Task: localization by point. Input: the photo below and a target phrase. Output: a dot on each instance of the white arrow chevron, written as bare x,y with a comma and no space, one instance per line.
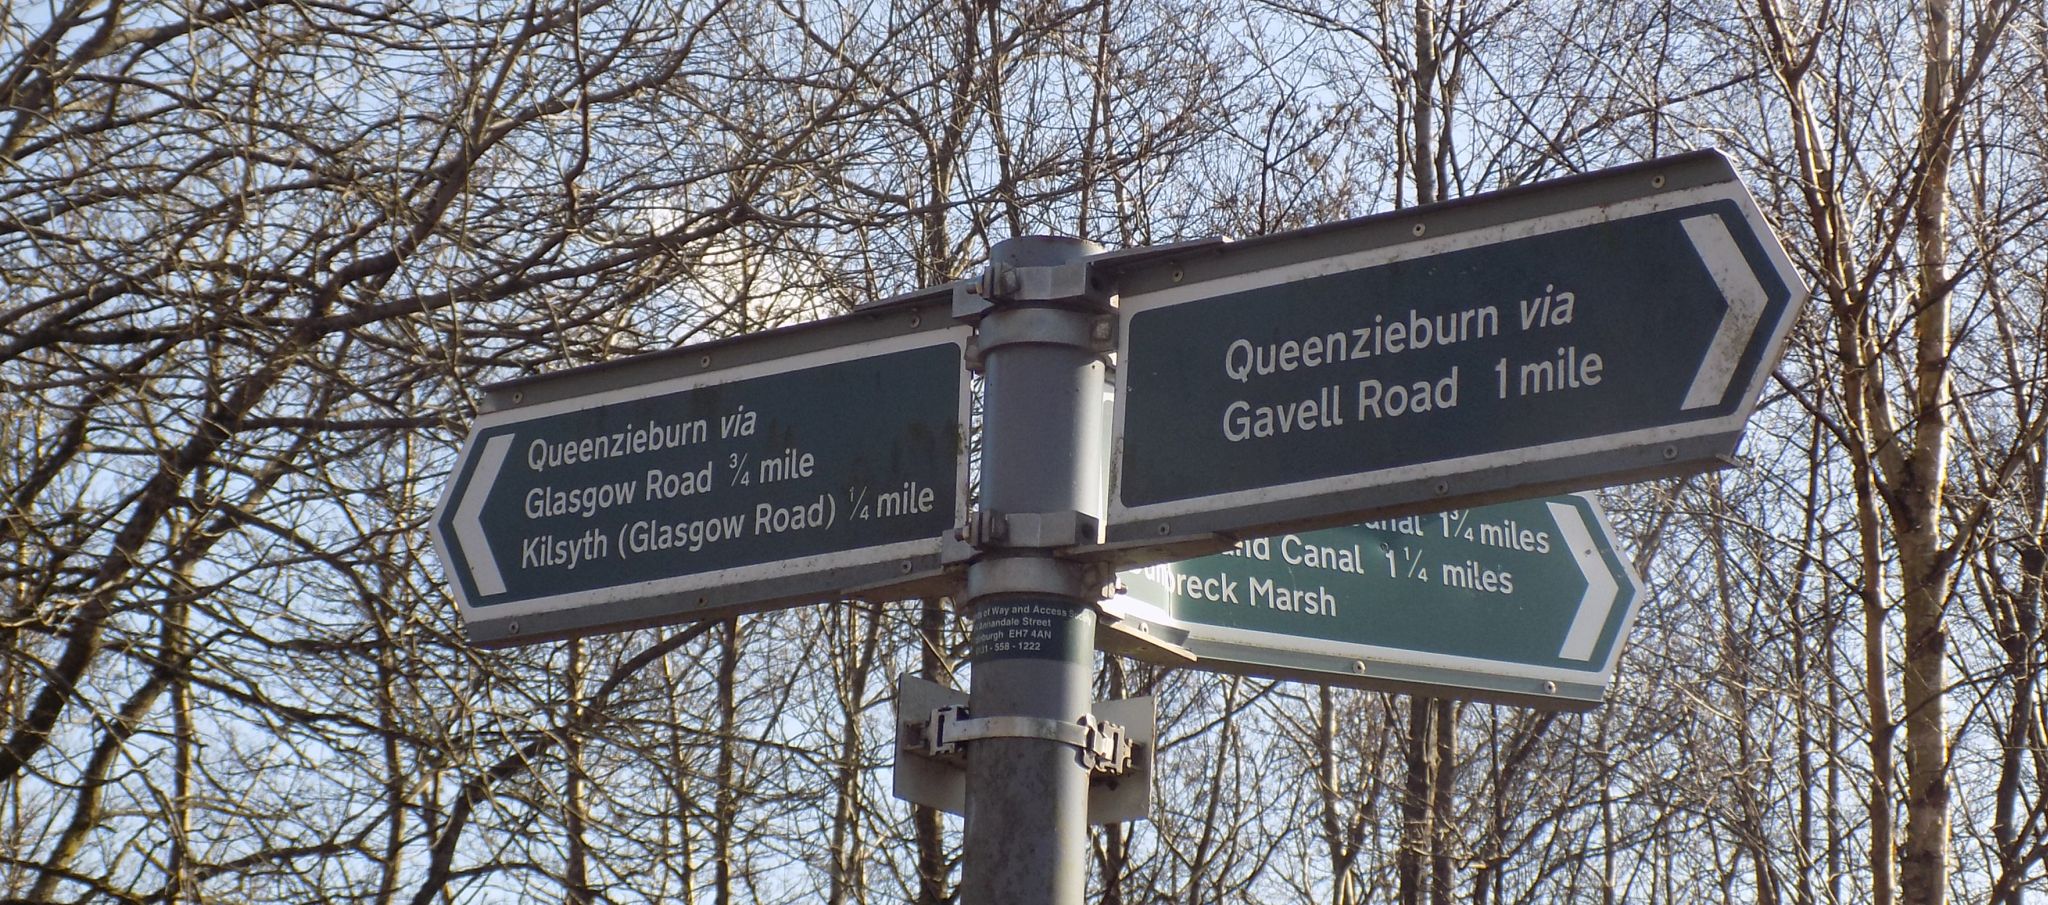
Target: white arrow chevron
1601,589
1746,300
469,525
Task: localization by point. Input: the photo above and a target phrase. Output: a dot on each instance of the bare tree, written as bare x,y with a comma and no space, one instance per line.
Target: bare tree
256,257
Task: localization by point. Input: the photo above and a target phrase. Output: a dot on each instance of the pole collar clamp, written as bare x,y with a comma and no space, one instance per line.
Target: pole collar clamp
1105,748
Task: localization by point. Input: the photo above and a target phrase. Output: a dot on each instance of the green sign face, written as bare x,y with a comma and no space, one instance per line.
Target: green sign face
815,474
1523,600
1551,339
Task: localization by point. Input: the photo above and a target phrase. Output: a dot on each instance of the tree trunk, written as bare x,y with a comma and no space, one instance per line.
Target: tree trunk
1924,566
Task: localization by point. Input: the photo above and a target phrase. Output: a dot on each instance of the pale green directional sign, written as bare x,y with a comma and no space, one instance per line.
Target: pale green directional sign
788,467
1526,601
1564,335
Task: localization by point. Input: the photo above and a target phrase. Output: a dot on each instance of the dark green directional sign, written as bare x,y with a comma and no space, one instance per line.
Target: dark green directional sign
1525,601
1555,337
785,468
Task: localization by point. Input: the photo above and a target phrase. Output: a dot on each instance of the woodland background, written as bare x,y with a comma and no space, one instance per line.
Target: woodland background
258,256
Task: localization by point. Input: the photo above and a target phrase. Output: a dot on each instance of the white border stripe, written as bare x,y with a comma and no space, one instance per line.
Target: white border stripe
1746,301
469,525
720,377
1198,632
1601,589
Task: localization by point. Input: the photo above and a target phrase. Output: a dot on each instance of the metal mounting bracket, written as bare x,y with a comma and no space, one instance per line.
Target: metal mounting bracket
1105,747
985,529
935,736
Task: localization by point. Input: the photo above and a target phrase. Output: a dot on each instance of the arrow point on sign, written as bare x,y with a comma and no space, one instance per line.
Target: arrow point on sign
1601,589
469,524
1746,301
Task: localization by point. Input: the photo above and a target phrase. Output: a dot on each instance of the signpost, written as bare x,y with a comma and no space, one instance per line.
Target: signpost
1593,330
788,467
1589,331
1525,602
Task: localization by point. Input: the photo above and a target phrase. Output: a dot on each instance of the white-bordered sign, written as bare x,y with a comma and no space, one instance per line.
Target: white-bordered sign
1606,328
789,467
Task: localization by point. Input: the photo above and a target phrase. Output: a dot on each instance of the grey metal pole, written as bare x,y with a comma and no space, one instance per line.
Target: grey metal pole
1025,841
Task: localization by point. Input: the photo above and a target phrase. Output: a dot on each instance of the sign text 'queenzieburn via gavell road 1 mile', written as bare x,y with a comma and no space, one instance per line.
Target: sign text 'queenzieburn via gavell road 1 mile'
787,467
1527,602
1587,331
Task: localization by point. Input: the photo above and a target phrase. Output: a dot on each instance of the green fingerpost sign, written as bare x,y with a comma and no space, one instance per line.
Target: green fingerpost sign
1526,601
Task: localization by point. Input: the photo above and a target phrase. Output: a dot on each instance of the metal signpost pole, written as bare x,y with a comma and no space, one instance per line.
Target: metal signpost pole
1033,614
